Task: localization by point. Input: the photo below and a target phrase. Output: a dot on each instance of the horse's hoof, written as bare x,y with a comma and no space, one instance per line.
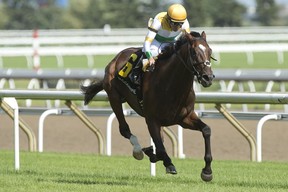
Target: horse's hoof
171,170
138,153
206,177
137,150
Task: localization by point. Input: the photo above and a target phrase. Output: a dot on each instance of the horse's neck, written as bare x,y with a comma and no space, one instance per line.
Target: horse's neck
175,75
178,63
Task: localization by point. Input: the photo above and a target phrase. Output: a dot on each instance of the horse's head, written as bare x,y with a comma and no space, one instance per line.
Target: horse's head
199,58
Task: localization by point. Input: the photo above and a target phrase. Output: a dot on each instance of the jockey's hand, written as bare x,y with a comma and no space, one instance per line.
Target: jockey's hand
151,64
151,61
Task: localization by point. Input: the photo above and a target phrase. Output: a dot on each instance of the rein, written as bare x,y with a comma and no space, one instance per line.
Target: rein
189,60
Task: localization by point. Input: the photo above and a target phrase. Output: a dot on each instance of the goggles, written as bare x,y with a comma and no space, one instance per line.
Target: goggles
176,23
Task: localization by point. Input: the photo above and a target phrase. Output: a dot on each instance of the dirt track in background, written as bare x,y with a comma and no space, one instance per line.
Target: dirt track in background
69,134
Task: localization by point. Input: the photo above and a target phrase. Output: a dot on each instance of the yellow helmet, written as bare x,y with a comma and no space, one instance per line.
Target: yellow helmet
177,13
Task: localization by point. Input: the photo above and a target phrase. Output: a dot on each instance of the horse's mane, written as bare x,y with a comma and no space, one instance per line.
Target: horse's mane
170,49
195,34
183,39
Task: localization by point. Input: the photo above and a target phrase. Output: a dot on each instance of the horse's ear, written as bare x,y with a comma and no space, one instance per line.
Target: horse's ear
203,35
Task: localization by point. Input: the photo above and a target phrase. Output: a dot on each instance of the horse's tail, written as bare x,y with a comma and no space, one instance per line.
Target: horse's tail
91,90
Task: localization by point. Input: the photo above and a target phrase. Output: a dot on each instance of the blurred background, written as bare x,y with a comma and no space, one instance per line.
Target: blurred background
73,14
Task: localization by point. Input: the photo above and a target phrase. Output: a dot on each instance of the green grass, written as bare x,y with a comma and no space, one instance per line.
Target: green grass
50,62
267,60
87,172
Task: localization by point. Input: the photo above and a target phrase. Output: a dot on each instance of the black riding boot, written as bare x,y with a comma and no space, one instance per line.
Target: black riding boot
135,75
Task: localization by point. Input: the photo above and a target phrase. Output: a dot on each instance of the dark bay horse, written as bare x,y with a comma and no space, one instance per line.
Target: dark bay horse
168,95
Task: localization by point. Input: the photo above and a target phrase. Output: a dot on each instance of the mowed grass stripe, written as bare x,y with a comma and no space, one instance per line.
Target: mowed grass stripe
88,172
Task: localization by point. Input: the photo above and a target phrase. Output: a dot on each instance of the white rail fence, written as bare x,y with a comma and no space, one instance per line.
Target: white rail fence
10,97
61,43
142,31
229,80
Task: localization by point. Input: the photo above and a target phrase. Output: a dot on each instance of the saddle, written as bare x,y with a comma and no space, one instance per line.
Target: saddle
124,72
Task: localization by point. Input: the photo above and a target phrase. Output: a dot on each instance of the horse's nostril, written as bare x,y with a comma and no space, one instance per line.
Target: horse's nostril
205,77
208,77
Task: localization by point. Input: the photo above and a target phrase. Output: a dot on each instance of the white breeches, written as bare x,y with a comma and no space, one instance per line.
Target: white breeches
157,47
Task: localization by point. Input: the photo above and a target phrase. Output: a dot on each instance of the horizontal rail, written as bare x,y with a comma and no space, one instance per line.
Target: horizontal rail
77,74
240,115
251,74
82,74
142,31
108,111
203,97
49,94
242,98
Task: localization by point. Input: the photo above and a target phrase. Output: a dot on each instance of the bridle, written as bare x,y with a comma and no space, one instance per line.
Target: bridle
192,60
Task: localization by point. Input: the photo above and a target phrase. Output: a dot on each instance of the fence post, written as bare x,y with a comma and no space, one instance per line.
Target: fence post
36,57
173,139
241,129
27,130
14,105
41,126
153,165
259,133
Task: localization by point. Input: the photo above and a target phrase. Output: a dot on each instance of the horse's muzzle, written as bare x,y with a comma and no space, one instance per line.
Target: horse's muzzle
206,80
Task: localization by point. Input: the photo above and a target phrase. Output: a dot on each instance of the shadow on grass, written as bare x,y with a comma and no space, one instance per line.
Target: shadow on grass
94,182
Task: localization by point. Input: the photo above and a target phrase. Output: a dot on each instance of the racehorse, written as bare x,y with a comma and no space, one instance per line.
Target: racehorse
168,95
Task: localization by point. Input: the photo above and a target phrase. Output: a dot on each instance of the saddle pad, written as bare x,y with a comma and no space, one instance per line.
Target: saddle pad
123,74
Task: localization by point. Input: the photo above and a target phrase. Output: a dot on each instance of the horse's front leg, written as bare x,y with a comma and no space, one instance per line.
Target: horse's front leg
206,174
124,129
194,123
161,154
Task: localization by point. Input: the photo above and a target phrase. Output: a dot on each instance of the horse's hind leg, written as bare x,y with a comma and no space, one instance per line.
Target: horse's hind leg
124,129
161,154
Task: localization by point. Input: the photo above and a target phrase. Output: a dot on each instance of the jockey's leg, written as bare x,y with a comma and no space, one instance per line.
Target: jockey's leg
136,72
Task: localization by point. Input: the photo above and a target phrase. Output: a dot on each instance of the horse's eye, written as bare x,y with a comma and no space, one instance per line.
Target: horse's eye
207,63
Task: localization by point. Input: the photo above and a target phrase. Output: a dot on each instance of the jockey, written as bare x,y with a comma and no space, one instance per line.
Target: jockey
162,30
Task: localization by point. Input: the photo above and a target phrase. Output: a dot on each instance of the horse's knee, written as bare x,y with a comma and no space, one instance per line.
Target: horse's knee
206,131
